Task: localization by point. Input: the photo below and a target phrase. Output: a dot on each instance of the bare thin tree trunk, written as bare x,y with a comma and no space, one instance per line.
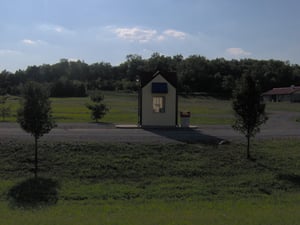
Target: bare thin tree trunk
36,158
248,147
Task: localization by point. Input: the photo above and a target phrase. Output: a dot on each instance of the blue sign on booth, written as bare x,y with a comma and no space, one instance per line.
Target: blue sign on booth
159,88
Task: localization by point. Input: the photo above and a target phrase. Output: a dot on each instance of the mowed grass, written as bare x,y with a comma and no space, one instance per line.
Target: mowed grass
283,106
158,184
124,109
244,212
206,110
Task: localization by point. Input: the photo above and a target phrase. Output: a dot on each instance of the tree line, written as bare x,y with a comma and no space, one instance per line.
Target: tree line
195,74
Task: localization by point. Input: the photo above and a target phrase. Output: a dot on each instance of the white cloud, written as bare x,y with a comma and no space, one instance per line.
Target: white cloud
29,42
146,35
175,34
54,28
73,60
9,52
136,34
59,29
161,38
237,52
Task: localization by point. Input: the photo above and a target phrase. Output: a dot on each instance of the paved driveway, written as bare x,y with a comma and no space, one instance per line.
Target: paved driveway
279,125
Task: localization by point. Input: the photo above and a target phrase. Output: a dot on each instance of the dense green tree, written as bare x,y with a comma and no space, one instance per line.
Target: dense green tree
98,109
5,82
4,108
248,108
35,116
161,63
134,67
195,74
67,88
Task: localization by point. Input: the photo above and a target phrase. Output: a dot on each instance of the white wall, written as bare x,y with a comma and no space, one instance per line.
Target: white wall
295,96
150,118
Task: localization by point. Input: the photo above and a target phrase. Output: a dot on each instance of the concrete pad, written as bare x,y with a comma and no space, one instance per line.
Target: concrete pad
127,126
135,126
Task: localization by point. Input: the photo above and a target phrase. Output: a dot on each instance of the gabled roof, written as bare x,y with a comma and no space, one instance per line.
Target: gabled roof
282,91
171,77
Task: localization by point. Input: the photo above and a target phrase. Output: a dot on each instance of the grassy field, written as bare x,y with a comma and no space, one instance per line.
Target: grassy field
124,109
158,184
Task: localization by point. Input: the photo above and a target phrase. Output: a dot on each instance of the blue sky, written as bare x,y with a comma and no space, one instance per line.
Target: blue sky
34,32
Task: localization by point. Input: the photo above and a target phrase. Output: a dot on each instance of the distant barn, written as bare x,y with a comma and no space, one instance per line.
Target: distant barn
283,94
158,102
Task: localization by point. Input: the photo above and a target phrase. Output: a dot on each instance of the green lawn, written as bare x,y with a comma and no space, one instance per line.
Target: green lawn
283,106
158,184
242,212
124,109
207,111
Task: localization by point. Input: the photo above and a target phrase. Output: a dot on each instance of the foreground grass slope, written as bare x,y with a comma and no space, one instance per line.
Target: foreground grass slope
158,184
244,212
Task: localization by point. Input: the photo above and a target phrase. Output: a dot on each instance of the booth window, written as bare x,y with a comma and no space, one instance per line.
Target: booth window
159,104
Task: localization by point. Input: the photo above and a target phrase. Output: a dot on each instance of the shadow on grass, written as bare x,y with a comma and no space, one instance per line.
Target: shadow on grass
293,178
34,193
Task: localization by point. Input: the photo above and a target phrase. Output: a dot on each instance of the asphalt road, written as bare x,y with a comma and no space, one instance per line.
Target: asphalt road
279,125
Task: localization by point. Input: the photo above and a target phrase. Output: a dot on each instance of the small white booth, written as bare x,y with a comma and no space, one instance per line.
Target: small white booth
158,102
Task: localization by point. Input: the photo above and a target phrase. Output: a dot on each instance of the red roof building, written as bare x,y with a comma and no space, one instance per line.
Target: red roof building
291,94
